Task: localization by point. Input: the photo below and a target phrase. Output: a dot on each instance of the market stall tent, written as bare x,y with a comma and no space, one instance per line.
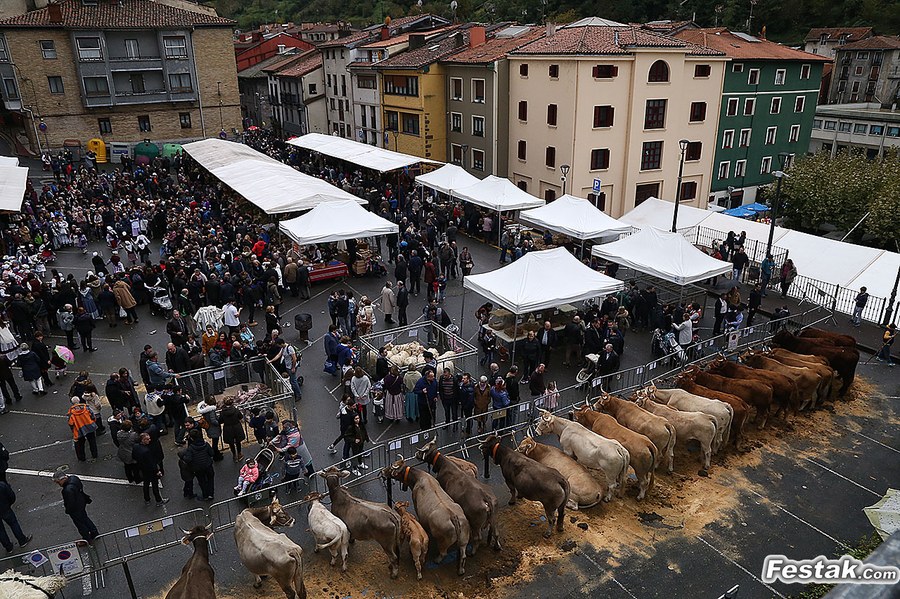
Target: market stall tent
498,194
336,221
575,217
9,161
657,213
358,153
12,187
828,260
665,255
447,179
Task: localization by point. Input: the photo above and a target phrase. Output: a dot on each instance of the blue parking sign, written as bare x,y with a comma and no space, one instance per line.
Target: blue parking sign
596,186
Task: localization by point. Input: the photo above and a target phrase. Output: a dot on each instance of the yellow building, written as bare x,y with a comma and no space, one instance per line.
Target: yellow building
413,95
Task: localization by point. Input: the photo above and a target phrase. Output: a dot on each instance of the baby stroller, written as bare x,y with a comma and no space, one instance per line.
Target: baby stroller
665,344
375,268
261,492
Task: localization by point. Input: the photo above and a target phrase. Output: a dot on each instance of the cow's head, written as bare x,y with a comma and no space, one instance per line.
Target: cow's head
333,475
426,452
277,516
196,533
314,496
716,363
583,414
544,423
395,470
526,445
487,446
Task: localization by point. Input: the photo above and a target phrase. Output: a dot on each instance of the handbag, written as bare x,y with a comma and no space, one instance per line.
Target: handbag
330,367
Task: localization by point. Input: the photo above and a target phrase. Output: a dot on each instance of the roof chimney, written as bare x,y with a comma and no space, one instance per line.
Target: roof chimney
476,36
385,32
281,48
551,29
54,12
416,40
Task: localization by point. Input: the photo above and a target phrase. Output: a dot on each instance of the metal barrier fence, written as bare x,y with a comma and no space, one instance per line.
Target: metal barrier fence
755,249
837,298
429,335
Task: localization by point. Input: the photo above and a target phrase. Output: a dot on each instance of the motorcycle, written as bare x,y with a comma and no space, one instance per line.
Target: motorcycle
160,302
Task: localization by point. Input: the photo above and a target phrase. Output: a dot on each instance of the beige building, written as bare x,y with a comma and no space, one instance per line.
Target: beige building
612,102
122,71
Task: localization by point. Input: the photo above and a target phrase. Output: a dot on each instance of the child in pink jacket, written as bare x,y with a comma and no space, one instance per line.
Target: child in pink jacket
248,475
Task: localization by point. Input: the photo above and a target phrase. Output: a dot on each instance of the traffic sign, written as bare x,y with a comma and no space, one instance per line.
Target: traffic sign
597,185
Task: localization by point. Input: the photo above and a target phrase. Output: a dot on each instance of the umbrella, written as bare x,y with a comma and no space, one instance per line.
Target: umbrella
252,128
757,207
885,514
64,353
740,212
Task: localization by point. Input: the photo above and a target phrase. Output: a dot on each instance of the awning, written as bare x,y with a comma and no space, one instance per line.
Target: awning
12,187
358,153
665,255
447,179
541,280
739,212
335,221
499,194
272,186
830,260
654,212
574,217
9,161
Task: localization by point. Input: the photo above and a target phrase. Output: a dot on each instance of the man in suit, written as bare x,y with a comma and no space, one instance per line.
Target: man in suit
593,338
609,363
547,341
75,502
7,515
402,303
177,329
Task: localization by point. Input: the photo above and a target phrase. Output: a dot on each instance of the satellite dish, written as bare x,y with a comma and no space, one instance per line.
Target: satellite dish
419,3
453,5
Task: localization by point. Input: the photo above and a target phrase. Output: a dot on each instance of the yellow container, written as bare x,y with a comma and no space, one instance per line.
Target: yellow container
98,147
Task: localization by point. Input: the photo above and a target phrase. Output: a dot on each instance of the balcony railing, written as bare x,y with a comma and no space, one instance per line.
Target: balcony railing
133,58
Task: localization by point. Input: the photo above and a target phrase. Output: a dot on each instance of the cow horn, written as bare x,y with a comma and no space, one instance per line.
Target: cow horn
187,532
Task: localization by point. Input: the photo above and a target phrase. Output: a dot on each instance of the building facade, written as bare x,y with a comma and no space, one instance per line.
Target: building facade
257,102
612,102
825,40
867,127
298,93
267,47
767,107
122,72
867,71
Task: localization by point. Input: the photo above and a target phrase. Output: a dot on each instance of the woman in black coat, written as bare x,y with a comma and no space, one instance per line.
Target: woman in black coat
84,324
232,422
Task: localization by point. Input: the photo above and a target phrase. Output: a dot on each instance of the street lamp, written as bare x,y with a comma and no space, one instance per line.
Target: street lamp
730,195
683,144
564,169
779,174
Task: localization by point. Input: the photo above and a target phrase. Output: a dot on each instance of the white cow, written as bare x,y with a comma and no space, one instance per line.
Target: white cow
330,531
688,402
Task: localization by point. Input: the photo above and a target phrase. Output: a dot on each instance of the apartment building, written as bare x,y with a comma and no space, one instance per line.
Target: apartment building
257,103
248,54
867,71
865,126
122,71
612,102
478,97
825,40
298,96
767,108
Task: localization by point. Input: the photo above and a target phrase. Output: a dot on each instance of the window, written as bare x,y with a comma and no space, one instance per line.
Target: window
549,195
96,86
523,69
659,72
4,54
89,48
523,110
478,91
553,71
732,107
860,129
478,126
799,103
779,77
551,115
693,151
789,161
48,49
523,185
728,138
765,166
184,118
550,157
688,190
858,71
740,167
651,155
604,71
830,125
645,191
456,154
313,89
702,70
744,140
456,87
411,124
749,106
180,82
393,120
456,122
876,130
598,200
893,131
775,107
599,159
844,127
795,133
144,123
862,56
132,49
400,85
655,114
737,67
104,126
698,112
753,77
477,160
723,169
770,135
817,123
520,150
804,71
367,82
603,116
175,46
56,85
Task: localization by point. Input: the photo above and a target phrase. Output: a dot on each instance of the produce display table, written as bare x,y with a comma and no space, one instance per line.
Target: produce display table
327,272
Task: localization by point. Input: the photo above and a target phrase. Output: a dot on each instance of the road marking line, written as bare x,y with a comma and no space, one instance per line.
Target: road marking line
378,438
601,569
876,441
93,479
54,444
796,517
839,475
37,414
306,301
116,340
45,506
742,568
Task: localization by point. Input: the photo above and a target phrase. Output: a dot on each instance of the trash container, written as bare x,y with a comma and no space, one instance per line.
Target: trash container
303,323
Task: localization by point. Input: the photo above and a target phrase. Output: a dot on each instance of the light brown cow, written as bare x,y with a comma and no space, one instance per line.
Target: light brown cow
740,407
642,453
826,374
586,489
267,553
689,426
414,534
657,429
329,531
682,400
805,379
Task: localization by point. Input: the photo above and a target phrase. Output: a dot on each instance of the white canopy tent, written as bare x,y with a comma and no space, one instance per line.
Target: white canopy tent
12,187
879,277
498,194
336,221
657,213
447,179
9,161
756,231
575,217
270,185
828,260
662,254
358,153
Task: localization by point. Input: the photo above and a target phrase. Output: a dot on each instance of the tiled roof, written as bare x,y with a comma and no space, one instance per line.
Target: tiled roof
304,67
433,51
259,69
743,46
606,40
403,38
835,33
371,33
286,61
124,14
494,47
879,42
665,26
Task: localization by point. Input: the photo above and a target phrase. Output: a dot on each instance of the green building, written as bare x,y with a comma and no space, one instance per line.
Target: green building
768,104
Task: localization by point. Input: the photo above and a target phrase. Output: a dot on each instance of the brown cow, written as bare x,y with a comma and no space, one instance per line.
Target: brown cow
586,488
689,426
413,532
842,359
805,379
464,465
756,394
818,364
784,390
475,498
655,428
643,455
531,480
198,580
366,520
267,553
838,339
738,405
441,517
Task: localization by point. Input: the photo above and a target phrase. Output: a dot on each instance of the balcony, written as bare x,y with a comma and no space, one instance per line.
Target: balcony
133,63
148,96
877,58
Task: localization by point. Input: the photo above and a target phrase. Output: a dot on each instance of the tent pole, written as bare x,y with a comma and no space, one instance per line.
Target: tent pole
581,255
499,226
515,335
462,313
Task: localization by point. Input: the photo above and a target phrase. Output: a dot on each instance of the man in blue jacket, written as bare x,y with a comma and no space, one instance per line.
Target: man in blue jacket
75,502
426,391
